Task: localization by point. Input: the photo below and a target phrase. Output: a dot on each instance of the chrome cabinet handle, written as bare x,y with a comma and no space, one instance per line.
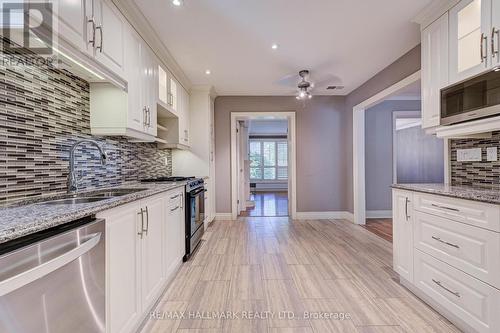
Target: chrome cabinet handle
92,41
147,221
455,293
149,117
493,32
174,197
406,208
182,200
483,39
445,242
145,116
99,27
174,209
140,233
447,208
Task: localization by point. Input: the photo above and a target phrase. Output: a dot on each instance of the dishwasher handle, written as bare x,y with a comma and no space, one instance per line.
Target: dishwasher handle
15,282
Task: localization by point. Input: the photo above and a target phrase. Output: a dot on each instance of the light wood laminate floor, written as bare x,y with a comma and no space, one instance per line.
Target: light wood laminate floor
272,269
268,204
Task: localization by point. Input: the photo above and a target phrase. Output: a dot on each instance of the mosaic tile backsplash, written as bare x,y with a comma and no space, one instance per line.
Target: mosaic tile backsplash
475,173
43,111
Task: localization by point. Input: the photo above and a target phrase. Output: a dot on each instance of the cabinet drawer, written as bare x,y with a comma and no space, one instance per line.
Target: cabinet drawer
475,302
175,198
473,250
475,213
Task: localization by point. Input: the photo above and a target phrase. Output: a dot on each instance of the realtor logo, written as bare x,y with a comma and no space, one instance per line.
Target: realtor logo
28,27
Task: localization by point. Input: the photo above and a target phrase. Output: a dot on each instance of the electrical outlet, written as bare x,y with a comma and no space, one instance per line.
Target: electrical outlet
469,155
492,154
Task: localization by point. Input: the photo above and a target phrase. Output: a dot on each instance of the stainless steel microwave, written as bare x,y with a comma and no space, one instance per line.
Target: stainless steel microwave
475,98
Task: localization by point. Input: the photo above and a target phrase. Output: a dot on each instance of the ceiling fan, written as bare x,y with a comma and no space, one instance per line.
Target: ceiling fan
304,84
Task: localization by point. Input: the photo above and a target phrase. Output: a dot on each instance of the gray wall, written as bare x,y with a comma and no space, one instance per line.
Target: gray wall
320,143
408,64
378,151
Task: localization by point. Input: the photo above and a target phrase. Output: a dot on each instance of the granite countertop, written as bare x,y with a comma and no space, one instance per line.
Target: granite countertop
28,217
485,193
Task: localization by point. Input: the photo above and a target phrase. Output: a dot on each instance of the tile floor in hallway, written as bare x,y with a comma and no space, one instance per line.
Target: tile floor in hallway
268,204
275,265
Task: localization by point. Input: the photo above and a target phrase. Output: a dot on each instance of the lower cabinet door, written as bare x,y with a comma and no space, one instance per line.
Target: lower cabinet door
152,245
123,245
173,242
403,233
472,301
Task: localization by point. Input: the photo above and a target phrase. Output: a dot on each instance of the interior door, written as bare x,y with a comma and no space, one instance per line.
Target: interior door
110,36
152,245
403,234
470,22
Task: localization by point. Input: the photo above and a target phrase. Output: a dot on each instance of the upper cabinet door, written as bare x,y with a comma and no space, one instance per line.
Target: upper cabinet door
136,114
71,22
109,36
470,22
495,33
434,69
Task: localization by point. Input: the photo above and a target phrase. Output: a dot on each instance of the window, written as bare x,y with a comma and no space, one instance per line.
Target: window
268,159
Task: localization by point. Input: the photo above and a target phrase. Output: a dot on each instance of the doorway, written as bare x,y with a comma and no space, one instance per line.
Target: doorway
263,164
395,149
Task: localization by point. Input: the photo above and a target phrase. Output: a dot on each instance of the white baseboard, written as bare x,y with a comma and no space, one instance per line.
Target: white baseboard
378,214
223,216
334,215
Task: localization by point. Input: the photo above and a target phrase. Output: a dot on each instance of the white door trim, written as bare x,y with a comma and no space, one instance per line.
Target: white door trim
292,176
358,150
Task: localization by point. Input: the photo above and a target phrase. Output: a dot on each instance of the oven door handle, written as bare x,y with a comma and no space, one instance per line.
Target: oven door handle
197,192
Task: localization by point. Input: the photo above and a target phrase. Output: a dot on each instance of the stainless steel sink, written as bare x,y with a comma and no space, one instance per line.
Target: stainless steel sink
113,192
72,201
88,197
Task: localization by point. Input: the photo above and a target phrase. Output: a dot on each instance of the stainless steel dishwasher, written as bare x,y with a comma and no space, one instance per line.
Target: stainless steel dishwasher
54,281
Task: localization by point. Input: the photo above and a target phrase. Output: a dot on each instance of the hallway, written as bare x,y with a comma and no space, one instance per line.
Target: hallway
268,204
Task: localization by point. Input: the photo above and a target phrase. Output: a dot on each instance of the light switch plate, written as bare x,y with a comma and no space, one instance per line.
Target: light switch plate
492,154
469,155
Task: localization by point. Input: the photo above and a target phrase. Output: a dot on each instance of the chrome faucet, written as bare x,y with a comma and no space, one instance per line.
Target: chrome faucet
72,177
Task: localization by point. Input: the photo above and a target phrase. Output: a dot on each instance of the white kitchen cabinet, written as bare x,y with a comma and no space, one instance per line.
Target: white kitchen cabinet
142,238
110,28
168,91
434,69
174,232
495,33
71,23
123,268
152,255
130,113
469,34
402,217
175,127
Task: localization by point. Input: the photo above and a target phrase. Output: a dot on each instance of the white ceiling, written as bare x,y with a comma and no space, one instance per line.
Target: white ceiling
278,126
350,39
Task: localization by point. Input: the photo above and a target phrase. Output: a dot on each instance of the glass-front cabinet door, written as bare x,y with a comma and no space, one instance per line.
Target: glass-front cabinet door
470,22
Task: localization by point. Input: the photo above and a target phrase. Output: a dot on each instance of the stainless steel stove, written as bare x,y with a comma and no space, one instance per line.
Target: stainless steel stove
195,210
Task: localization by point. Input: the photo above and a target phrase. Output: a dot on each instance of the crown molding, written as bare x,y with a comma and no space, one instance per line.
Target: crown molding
138,21
433,11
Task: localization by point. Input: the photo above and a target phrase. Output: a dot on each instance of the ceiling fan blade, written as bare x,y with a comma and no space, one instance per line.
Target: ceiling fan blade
290,80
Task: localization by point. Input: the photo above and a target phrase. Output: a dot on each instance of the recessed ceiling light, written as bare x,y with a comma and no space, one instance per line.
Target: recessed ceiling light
274,46
208,72
177,3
